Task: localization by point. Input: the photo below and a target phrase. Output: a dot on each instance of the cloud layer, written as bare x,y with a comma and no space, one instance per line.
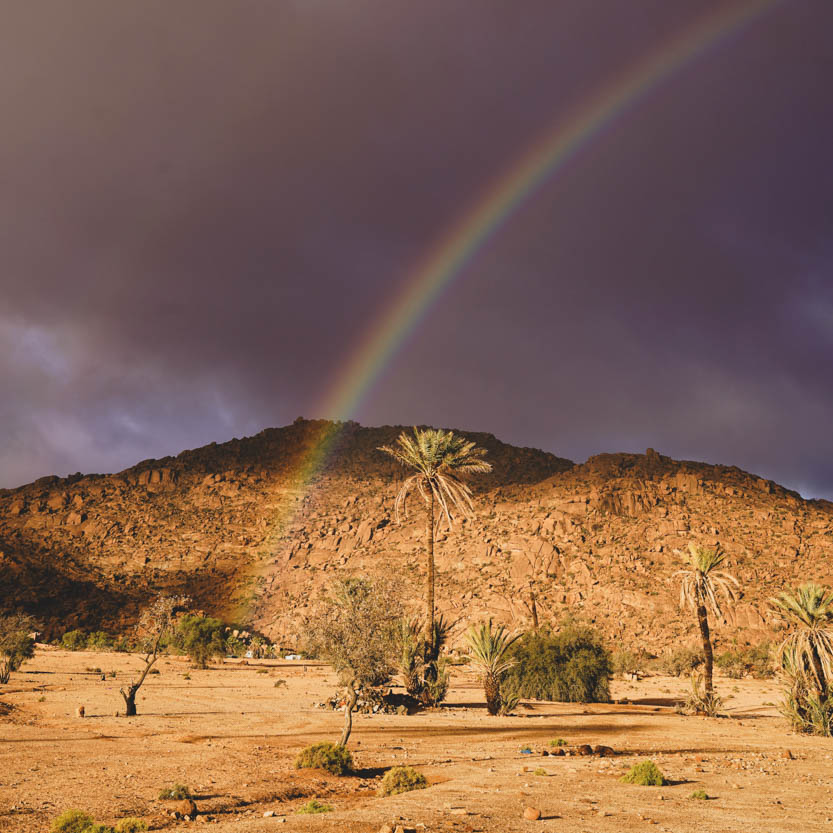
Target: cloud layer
204,207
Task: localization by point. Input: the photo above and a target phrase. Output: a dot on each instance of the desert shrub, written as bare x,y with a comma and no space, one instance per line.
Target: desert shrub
539,771
131,825
644,774
699,701
807,711
177,792
96,827
754,660
16,643
700,795
435,684
570,666
71,821
681,662
201,637
624,661
74,641
99,641
315,806
402,779
558,742
331,757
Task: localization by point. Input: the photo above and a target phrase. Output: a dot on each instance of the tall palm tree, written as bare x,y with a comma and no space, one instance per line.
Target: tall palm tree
490,647
439,459
700,585
809,650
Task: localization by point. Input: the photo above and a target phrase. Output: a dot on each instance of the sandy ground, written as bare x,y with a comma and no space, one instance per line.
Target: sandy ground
231,735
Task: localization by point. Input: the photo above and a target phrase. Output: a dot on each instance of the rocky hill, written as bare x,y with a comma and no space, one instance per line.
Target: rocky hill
252,528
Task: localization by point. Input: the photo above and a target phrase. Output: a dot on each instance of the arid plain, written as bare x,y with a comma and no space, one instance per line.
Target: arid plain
231,735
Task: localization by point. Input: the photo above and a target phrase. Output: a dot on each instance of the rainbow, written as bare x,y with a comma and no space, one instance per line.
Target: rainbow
454,250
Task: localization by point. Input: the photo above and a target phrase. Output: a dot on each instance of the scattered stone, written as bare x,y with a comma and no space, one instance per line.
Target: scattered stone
788,755
584,749
80,711
268,814
386,828
603,751
532,814
187,809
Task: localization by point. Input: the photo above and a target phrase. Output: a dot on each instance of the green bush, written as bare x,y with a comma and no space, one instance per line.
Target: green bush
623,661
71,821
74,641
95,827
331,757
175,793
754,660
99,641
700,795
402,779
315,806
558,742
644,774
201,637
131,825
682,662
571,666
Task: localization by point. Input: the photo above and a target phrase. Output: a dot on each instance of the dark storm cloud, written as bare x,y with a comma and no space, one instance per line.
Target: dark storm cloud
205,205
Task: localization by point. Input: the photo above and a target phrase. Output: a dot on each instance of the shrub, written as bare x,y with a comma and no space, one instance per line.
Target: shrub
644,774
754,660
201,637
74,641
623,661
71,821
540,771
700,795
570,666
558,742
95,827
131,825
175,793
100,641
315,806
402,779
331,757
700,702
681,662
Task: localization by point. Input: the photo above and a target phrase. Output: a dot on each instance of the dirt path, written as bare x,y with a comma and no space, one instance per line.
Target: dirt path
231,735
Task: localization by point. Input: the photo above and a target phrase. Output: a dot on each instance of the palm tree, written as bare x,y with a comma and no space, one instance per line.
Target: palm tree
699,589
439,460
808,651
490,649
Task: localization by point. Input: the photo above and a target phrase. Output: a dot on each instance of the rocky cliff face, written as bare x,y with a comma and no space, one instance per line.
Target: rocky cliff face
235,527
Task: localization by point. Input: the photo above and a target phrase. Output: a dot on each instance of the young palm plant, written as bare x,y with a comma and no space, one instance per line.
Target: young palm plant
439,460
808,651
490,647
701,584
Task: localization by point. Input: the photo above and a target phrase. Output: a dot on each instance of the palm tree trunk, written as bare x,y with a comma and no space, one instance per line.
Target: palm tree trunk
491,688
703,619
533,609
429,619
818,672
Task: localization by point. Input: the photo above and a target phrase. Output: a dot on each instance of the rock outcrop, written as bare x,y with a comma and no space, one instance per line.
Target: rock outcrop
252,528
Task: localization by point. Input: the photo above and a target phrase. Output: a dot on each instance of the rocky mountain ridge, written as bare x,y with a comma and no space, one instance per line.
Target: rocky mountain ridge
253,528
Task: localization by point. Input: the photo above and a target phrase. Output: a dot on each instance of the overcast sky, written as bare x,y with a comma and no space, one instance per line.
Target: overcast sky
206,205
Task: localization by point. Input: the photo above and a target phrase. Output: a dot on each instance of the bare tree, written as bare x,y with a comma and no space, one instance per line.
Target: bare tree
156,622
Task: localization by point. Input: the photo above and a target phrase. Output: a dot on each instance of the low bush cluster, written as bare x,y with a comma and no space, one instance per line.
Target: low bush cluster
402,779
331,757
315,806
682,662
644,774
77,821
754,660
177,792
